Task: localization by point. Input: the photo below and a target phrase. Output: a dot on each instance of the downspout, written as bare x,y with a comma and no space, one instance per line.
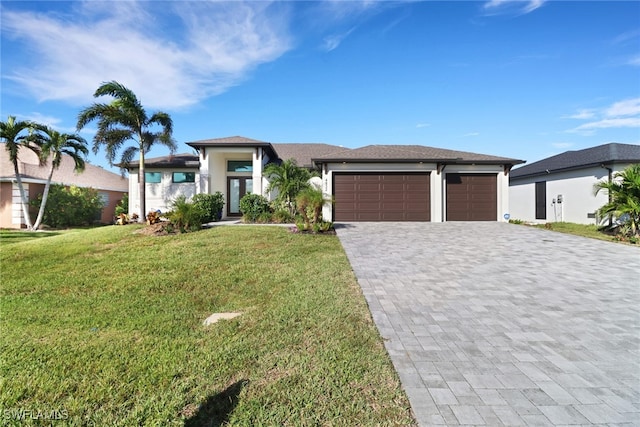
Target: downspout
610,176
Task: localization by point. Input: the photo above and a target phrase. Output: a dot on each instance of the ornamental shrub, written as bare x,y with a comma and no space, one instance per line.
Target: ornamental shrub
253,207
210,204
185,216
71,206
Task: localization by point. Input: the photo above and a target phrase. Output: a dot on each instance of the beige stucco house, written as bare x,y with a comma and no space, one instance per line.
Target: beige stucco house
110,186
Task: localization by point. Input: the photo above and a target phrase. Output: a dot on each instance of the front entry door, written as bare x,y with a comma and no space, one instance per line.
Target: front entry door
236,188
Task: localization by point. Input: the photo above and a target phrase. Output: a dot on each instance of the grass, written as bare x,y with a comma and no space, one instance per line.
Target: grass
591,231
104,327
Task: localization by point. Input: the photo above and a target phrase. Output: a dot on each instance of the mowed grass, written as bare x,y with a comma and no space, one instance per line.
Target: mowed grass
105,326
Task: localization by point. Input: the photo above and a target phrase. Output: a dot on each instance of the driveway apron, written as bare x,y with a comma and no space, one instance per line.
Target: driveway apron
499,324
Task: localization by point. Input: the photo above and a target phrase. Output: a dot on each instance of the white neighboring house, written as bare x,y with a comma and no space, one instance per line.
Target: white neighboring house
372,183
560,188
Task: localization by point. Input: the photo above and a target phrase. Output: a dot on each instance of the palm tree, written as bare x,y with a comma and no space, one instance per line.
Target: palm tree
12,133
288,179
55,145
624,197
125,119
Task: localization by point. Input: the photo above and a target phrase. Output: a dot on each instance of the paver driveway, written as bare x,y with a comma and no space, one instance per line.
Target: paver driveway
499,324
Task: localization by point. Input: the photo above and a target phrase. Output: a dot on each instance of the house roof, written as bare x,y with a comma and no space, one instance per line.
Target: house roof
176,161
31,171
302,153
228,141
411,153
606,154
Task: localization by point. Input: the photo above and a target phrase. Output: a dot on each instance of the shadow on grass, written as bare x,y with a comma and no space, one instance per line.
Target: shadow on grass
215,411
8,236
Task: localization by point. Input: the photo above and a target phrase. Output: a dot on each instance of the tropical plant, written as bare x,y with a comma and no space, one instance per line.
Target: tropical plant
185,216
70,206
624,198
122,120
12,133
123,205
54,145
253,207
310,203
288,179
211,205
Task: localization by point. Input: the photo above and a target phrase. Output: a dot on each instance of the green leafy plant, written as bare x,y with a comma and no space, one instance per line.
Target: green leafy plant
310,202
624,198
123,205
185,216
70,206
210,204
288,180
252,206
282,216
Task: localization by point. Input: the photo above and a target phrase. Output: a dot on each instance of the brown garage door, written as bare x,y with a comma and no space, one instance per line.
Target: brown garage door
471,197
381,197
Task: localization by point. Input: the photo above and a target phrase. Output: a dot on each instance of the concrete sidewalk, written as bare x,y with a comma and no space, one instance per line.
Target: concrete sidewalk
498,324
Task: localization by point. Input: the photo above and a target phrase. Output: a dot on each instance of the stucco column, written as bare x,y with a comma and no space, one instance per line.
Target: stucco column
257,170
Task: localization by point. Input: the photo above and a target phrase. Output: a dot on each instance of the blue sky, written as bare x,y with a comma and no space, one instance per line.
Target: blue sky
522,79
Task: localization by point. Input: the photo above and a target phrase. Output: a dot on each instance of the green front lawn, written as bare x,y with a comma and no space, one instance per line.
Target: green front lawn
104,327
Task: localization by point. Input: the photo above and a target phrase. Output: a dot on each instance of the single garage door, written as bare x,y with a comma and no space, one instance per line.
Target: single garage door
472,197
381,197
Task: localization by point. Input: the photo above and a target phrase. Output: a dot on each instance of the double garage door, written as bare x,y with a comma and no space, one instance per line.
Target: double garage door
406,197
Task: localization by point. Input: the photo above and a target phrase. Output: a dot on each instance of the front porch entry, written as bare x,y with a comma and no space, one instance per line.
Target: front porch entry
237,187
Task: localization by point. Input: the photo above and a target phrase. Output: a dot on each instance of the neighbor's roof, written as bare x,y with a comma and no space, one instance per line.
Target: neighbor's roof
411,153
302,153
606,154
176,161
31,171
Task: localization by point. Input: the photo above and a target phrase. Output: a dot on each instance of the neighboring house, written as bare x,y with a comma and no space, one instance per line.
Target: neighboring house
560,188
373,183
110,186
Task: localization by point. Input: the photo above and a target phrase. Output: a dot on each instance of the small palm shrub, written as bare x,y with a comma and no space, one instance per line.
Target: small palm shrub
210,204
253,206
282,216
123,205
310,202
185,216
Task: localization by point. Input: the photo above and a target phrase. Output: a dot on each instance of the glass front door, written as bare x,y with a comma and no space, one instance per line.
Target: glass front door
237,187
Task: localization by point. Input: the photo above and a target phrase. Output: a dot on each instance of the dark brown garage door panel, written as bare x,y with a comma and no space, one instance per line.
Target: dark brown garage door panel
472,197
381,197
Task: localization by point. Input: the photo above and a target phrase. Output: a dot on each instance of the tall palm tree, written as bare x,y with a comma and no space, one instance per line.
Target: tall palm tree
54,146
13,134
624,197
288,179
124,119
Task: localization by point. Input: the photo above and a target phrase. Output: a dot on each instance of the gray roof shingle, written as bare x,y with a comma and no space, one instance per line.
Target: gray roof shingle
411,153
303,153
606,154
179,161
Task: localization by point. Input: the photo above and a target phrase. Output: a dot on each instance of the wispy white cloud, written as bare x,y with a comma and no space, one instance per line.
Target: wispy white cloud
471,134
582,114
634,60
219,44
628,107
621,114
423,125
333,41
512,6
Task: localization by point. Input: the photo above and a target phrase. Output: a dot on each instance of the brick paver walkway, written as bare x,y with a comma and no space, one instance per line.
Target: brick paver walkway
498,324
